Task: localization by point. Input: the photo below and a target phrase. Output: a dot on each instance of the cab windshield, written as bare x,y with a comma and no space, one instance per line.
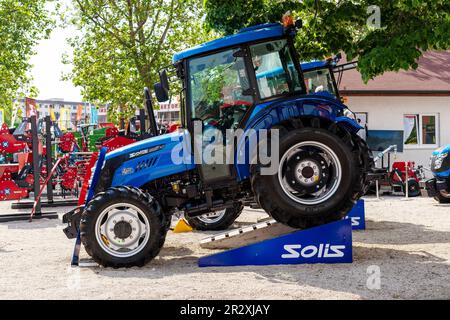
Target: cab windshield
219,92
219,89
274,68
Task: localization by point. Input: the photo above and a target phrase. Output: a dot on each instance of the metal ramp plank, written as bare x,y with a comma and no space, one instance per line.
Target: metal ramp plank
246,235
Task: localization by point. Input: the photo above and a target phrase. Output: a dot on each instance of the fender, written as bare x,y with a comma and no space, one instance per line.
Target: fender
266,115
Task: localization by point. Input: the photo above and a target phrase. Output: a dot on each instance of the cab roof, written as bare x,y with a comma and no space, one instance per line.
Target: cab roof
314,64
254,33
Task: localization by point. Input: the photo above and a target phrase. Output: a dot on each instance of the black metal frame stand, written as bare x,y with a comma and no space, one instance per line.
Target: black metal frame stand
51,202
36,183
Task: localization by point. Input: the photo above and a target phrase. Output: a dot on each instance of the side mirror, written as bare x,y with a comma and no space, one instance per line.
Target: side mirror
162,88
161,93
164,79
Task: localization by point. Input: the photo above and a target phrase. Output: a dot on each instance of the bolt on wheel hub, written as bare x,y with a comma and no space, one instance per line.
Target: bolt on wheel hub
123,230
306,172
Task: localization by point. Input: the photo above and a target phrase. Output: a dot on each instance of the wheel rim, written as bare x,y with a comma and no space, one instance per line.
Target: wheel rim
309,172
122,230
212,217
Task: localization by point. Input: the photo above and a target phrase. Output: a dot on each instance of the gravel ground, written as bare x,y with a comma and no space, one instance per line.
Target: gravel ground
408,240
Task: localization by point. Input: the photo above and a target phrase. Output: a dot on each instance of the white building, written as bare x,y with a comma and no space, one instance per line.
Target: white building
411,108
168,111
58,104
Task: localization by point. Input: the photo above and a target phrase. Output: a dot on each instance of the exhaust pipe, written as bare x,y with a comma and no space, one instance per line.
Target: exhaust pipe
151,115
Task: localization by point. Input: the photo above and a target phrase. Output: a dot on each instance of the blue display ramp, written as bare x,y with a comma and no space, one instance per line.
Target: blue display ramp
329,243
268,229
358,216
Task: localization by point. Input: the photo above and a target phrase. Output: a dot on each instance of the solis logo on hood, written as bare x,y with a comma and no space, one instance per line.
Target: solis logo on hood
326,250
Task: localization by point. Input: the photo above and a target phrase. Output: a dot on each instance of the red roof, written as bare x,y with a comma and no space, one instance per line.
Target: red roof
432,76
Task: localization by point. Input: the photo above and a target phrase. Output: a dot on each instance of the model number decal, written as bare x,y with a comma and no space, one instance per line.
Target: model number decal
144,151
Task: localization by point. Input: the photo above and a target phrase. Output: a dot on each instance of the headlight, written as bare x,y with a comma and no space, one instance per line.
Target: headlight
439,159
349,114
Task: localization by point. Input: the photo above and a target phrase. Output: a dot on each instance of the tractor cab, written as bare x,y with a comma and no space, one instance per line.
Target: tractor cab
227,80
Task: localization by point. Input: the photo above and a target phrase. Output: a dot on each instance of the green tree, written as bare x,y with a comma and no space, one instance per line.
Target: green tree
408,28
22,24
123,44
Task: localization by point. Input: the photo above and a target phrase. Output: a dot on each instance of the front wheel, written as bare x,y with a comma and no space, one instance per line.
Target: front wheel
442,197
123,227
219,220
315,181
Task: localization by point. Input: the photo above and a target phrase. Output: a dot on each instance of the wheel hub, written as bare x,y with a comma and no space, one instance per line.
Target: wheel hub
123,229
306,172
309,172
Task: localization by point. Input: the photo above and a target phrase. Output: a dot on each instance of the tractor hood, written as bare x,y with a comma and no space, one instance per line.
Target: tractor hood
144,161
131,150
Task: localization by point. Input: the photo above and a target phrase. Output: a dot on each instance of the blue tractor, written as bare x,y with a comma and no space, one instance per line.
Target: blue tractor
250,81
439,186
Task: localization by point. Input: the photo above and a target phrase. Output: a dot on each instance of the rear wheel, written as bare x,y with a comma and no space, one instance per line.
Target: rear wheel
123,227
219,220
318,181
443,197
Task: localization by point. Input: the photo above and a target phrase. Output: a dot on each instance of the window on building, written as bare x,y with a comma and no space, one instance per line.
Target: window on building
420,129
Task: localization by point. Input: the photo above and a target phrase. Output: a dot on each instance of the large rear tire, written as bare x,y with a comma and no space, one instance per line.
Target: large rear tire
215,221
123,227
321,175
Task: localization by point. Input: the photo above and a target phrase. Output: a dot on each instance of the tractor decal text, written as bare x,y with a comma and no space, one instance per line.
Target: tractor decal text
296,251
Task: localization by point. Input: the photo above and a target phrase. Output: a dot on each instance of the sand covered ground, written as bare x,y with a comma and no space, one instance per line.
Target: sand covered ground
409,241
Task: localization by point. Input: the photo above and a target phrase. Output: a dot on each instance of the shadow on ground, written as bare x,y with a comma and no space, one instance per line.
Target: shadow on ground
399,233
404,274
35,224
